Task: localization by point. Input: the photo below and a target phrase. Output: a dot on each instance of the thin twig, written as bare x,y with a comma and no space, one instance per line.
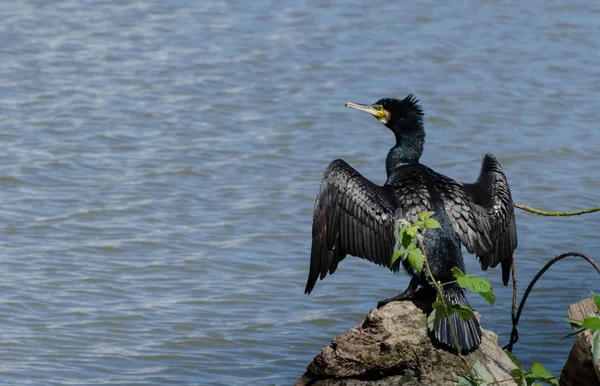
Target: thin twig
510,344
438,287
439,291
514,334
555,213
501,381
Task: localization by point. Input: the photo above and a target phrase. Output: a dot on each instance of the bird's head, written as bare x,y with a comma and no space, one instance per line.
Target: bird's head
397,114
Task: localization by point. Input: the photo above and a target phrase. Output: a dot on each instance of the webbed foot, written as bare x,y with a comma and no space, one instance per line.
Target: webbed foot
408,293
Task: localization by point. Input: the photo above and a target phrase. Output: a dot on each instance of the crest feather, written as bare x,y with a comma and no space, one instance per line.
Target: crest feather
413,103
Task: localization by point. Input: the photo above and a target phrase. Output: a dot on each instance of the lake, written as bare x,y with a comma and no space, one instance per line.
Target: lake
160,162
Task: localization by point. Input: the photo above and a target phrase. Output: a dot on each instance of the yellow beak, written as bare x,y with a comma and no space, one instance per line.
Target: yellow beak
379,114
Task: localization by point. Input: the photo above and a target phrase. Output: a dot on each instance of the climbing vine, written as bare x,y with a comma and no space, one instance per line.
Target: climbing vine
411,249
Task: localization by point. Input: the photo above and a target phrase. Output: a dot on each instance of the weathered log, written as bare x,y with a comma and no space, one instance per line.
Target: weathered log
391,347
579,369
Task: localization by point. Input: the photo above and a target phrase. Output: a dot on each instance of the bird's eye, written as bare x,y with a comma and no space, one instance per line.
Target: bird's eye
379,107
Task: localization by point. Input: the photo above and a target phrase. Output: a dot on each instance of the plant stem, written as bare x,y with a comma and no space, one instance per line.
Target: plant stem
501,381
514,336
448,283
555,213
439,291
438,287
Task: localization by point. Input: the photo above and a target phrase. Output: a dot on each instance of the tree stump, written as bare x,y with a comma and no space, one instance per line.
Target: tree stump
391,347
579,369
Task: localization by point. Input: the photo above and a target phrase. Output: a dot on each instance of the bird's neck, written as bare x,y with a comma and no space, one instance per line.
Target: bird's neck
408,149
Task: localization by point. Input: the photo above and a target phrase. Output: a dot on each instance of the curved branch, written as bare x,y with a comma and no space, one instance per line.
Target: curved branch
555,213
514,335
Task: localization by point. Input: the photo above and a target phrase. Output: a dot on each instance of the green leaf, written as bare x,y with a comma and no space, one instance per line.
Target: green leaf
411,231
406,238
457,272
467,381
516,373
474,283
465,312
415,259
431,223
529,378
483,373
514,360
549,381
596,301
434,318
397,254
489,296
523,382
436,315
596,346
425,215
538,371
573,321
593,323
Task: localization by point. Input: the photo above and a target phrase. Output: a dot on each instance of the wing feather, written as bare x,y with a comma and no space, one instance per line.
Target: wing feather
352,216
482,215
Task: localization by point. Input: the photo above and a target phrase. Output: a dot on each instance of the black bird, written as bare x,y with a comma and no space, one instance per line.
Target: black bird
355,216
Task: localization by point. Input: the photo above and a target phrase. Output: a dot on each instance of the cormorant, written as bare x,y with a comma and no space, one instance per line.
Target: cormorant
354,216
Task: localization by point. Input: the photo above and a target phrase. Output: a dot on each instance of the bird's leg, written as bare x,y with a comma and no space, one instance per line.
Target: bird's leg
406,295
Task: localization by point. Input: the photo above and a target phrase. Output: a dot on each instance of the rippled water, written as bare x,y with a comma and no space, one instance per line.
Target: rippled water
160,162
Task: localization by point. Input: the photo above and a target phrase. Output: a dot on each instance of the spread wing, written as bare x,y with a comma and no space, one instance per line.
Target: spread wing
352,216
482,214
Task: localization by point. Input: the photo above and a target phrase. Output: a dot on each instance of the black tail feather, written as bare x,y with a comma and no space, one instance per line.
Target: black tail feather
468,333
